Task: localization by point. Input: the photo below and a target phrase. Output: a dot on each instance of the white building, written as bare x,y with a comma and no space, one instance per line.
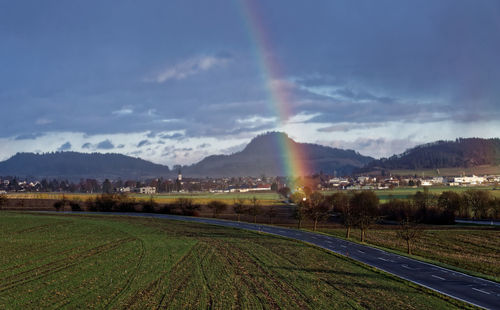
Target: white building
426,183
148,190
437,180
363,179
473,180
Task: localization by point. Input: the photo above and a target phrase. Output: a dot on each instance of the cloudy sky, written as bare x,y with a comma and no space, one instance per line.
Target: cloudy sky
174,81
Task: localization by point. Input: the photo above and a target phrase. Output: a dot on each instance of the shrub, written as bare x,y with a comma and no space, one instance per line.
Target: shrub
149,206
187,206
75,206
126,204
58,205
217,207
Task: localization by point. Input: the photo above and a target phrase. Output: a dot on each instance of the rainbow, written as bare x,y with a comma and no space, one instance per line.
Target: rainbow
293,164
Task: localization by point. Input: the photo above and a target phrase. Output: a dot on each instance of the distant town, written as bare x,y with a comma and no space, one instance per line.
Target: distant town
239,184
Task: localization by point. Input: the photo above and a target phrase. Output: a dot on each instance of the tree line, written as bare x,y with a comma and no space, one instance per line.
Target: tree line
356,209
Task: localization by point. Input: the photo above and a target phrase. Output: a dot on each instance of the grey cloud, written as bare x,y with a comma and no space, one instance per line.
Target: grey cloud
87,145
386,60
170,151
345,127
378,147
203,145
143,143
105,145
65,147
234,149
174,136
29,136
135,153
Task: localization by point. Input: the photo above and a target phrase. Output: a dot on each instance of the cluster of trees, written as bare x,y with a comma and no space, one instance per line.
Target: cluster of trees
252,208
357,209
442,209
182,206
362,209
107,203
354,209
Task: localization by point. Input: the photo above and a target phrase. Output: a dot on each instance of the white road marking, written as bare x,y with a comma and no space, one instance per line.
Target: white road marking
387,260
437,277
343,246
406,266
361,251
476,289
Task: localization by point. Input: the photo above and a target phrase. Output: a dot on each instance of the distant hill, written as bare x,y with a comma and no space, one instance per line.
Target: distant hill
263,155
73,166
461,153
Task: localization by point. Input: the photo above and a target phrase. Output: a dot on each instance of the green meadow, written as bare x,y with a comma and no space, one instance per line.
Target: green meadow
91,261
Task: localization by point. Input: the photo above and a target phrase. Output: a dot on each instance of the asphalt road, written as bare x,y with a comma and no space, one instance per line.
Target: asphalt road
476,291
479,222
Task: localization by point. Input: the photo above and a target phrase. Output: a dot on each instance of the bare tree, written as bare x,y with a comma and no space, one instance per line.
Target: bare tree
478,202
271,213
217,207
254,209
450,203
409,227
239,207
340,203
365,209
299,212
317,208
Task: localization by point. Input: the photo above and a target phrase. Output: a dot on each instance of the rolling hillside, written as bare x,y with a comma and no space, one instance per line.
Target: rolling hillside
74,166
265,155
461,153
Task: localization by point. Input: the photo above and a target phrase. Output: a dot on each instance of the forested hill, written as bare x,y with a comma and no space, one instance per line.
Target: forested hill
73,166
267,153
463,152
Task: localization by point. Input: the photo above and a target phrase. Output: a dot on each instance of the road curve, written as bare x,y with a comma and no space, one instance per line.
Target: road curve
473,290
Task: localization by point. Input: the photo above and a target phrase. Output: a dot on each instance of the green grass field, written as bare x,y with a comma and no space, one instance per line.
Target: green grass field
64,261
472,248
265,198
406,192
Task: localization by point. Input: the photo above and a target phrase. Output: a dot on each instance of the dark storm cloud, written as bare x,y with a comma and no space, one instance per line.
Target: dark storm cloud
348,61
